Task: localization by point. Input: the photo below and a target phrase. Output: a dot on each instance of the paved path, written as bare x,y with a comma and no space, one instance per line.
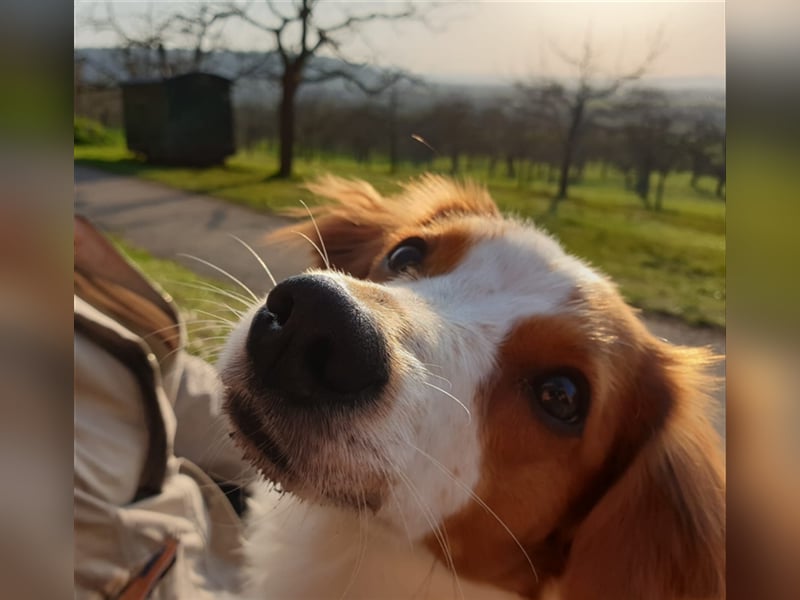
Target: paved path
168,222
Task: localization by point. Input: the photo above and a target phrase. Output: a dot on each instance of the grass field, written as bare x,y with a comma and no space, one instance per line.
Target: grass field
204,303
671,262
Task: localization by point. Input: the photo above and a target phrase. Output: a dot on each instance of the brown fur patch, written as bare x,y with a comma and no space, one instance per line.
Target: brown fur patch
632,508
357,227
447,242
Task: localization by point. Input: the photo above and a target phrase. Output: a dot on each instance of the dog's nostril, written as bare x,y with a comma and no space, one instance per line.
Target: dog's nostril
280,303
262,321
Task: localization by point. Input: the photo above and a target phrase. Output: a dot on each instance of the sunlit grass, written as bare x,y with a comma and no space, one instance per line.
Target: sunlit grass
671,261
203,310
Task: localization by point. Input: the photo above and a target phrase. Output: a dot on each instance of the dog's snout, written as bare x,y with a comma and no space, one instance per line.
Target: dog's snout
280,303
313,341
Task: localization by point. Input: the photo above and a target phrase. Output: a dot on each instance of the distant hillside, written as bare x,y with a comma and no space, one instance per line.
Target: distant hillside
107,66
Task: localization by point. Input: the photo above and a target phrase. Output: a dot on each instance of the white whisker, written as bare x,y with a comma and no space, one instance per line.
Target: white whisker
439,531
449,395
363,533
213,289
257,257
222,320
319,235
310,241
210,328
218,304
223,271
480,501
445,379
399,509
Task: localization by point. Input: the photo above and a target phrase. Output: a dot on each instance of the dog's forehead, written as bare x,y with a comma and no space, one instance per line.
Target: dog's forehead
511,271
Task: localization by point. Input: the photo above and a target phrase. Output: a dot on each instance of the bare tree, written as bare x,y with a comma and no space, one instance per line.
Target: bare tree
568,106
397,119
309,36
449,124
651,139
705,145
200,27
191,30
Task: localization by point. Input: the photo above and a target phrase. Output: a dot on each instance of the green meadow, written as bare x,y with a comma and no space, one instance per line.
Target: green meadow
204,302
670,262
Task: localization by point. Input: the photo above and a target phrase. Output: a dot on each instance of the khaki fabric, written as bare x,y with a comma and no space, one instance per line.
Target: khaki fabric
148,437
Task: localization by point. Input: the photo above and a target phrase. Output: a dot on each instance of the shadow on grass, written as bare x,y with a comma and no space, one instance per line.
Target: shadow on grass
126,166
177,176
277,177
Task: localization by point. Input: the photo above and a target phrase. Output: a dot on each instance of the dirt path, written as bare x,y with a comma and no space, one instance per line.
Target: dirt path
169,222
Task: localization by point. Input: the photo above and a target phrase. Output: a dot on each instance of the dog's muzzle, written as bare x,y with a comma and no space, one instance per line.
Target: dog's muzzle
312,344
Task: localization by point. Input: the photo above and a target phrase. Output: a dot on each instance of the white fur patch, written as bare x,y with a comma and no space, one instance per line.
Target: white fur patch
298,551
461,319
457,323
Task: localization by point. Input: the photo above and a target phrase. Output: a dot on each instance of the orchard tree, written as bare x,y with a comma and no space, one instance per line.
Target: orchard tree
158,41
567,106
300,33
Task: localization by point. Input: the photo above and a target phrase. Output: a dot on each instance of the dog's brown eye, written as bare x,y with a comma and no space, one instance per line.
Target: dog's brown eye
407,254
561,397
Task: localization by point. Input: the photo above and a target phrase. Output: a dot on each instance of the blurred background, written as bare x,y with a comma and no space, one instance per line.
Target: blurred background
605,123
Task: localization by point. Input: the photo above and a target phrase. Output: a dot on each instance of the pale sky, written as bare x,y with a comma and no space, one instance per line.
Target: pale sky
502,40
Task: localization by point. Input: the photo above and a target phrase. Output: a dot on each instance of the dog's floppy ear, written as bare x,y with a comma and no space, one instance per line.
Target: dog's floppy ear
352,230
659,532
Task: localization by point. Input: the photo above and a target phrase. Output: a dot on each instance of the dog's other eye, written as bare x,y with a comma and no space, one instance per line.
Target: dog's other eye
561,397
407,254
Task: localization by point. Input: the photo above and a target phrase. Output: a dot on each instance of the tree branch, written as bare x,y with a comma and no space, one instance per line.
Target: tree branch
356,20
274,10
388,78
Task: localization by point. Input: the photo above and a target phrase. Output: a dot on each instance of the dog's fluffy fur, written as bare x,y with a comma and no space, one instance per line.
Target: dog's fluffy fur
453,485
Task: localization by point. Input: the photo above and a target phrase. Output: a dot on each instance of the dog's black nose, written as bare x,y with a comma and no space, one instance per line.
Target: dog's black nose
312,341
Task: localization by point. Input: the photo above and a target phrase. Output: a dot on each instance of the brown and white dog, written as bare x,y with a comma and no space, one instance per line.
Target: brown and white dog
458,408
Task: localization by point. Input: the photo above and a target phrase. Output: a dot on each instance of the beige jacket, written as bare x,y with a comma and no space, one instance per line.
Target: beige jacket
148,432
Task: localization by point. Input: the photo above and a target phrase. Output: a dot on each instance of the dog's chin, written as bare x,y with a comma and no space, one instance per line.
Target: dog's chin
264,458
279,467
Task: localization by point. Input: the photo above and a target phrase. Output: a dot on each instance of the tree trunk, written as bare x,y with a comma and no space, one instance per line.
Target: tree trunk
197,57
628,178
697,169
580,170
563,177
455,155
553,209
642,186
163,65
393,153
286,118
569,150
393,134
662,177
510,171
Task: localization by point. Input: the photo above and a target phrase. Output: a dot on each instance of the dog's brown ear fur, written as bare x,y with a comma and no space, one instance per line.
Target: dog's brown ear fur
351,230
659,532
